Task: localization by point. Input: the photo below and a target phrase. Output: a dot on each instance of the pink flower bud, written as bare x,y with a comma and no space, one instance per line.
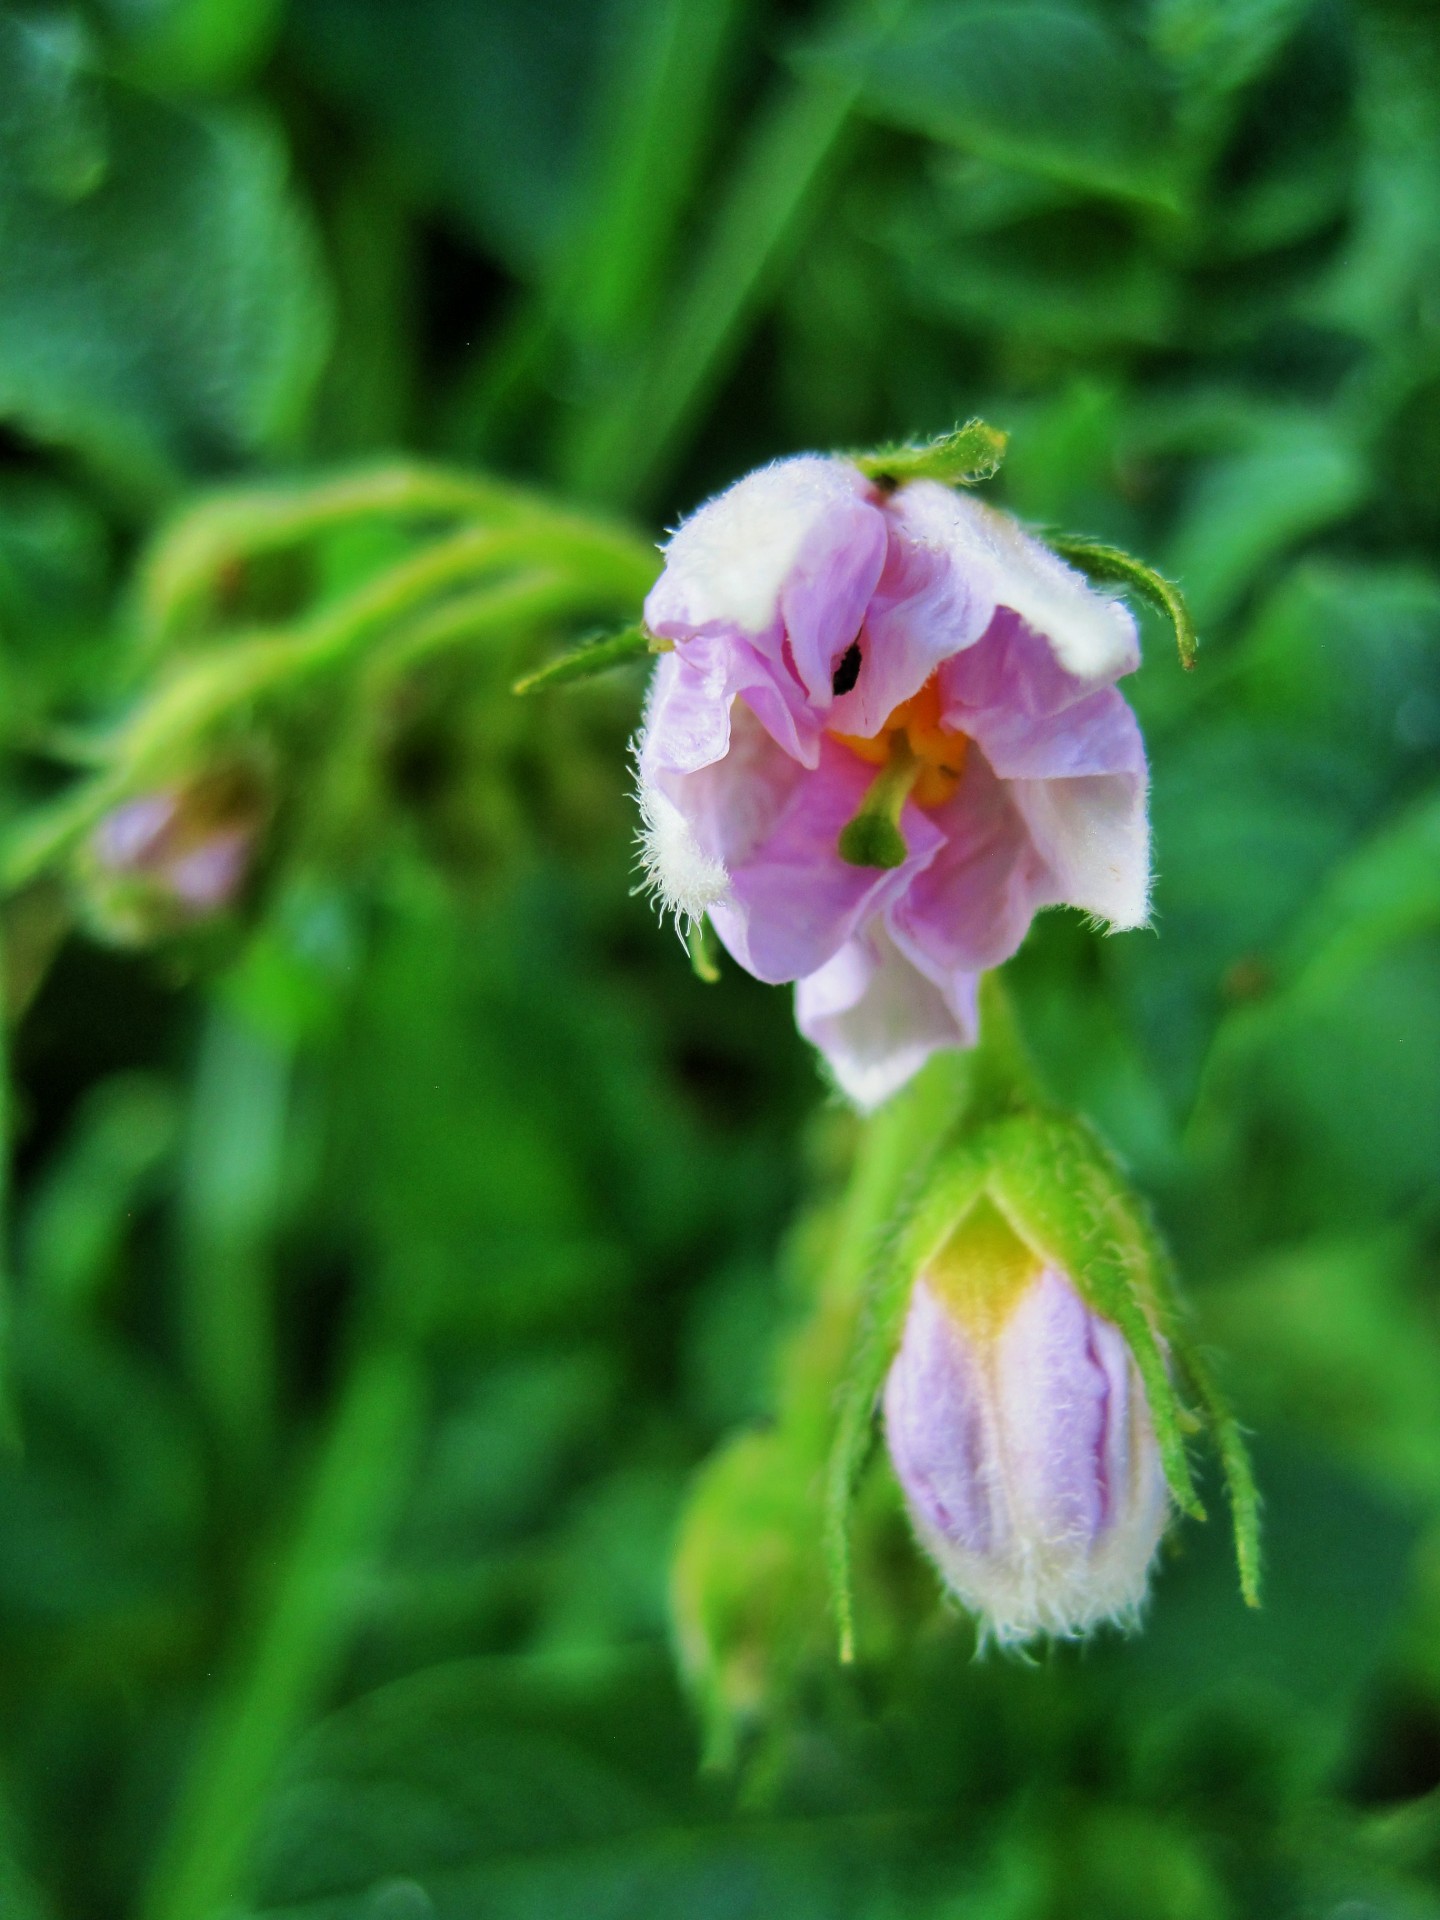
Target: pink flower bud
1020,1433
174,856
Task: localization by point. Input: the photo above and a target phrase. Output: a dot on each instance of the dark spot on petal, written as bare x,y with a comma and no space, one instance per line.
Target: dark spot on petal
848,671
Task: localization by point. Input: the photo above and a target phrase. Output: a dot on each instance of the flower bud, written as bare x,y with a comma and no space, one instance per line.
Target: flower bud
172,857
1022,1438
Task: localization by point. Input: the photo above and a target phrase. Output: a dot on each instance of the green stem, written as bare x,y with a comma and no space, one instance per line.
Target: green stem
230,1198
183,563
1005,1075
606,565
363,1466
894,1149
9,1421
591,566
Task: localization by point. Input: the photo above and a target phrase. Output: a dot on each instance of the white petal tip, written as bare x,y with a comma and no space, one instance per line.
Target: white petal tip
675,870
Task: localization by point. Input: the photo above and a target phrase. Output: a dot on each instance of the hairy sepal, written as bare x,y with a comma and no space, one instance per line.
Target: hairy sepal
963,458
598,653
1114,567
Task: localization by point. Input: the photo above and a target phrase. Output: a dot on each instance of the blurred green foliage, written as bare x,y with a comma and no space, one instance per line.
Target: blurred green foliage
386,1262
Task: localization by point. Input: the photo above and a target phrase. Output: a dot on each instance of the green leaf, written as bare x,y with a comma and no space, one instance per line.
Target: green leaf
1037,85
1113,564
162,305
959,459
1249,508
1220,46
595,655
489,105
769,195
194,45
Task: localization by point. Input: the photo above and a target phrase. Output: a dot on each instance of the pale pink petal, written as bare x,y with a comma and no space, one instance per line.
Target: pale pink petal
973,904
1092,635
787,558
134,833
927,605
1073,766
877,1018
209,874
692,692
793,902
732,805
1093,834
1055,1402
1034,720
940,1442
1027,1457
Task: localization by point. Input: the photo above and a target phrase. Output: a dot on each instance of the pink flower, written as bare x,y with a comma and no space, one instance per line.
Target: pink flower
1022,1439
199,871
887,735
173,857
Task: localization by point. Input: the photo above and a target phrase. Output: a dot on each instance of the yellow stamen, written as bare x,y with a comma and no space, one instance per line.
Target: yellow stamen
938,751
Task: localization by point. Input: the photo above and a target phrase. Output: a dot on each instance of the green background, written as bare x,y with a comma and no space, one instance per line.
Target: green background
385,1262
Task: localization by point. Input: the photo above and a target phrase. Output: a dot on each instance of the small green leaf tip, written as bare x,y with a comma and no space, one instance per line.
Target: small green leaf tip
1235,1467
960,459
1102,562
596,654
704,952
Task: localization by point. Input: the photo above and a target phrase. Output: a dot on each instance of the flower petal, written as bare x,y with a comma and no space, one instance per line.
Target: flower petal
786,558
1033,719
692,692
793,902
1084,1480
936,1431
877,1018
1093,834
1027,1457
1092,635
973,904
927,605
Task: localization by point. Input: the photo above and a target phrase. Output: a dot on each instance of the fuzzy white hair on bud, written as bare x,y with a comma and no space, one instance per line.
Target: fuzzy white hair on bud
675,870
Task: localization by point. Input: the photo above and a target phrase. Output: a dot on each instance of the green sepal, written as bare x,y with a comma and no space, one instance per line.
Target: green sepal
704,951
1240,1488
953,1185
596,654
1061,1192
1112,564
960,459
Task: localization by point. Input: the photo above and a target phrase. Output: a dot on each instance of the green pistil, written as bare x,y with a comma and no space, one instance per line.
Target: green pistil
873,837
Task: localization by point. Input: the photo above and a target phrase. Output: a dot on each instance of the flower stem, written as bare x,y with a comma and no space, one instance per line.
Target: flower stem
359,1476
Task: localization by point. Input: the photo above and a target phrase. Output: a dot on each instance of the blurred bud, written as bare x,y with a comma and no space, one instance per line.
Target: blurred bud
168,859
1022,1438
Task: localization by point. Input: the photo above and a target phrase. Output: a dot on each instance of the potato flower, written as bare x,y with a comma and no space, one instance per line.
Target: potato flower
886,734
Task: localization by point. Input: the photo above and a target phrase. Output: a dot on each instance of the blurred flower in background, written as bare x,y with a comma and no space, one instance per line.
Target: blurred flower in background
174,857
